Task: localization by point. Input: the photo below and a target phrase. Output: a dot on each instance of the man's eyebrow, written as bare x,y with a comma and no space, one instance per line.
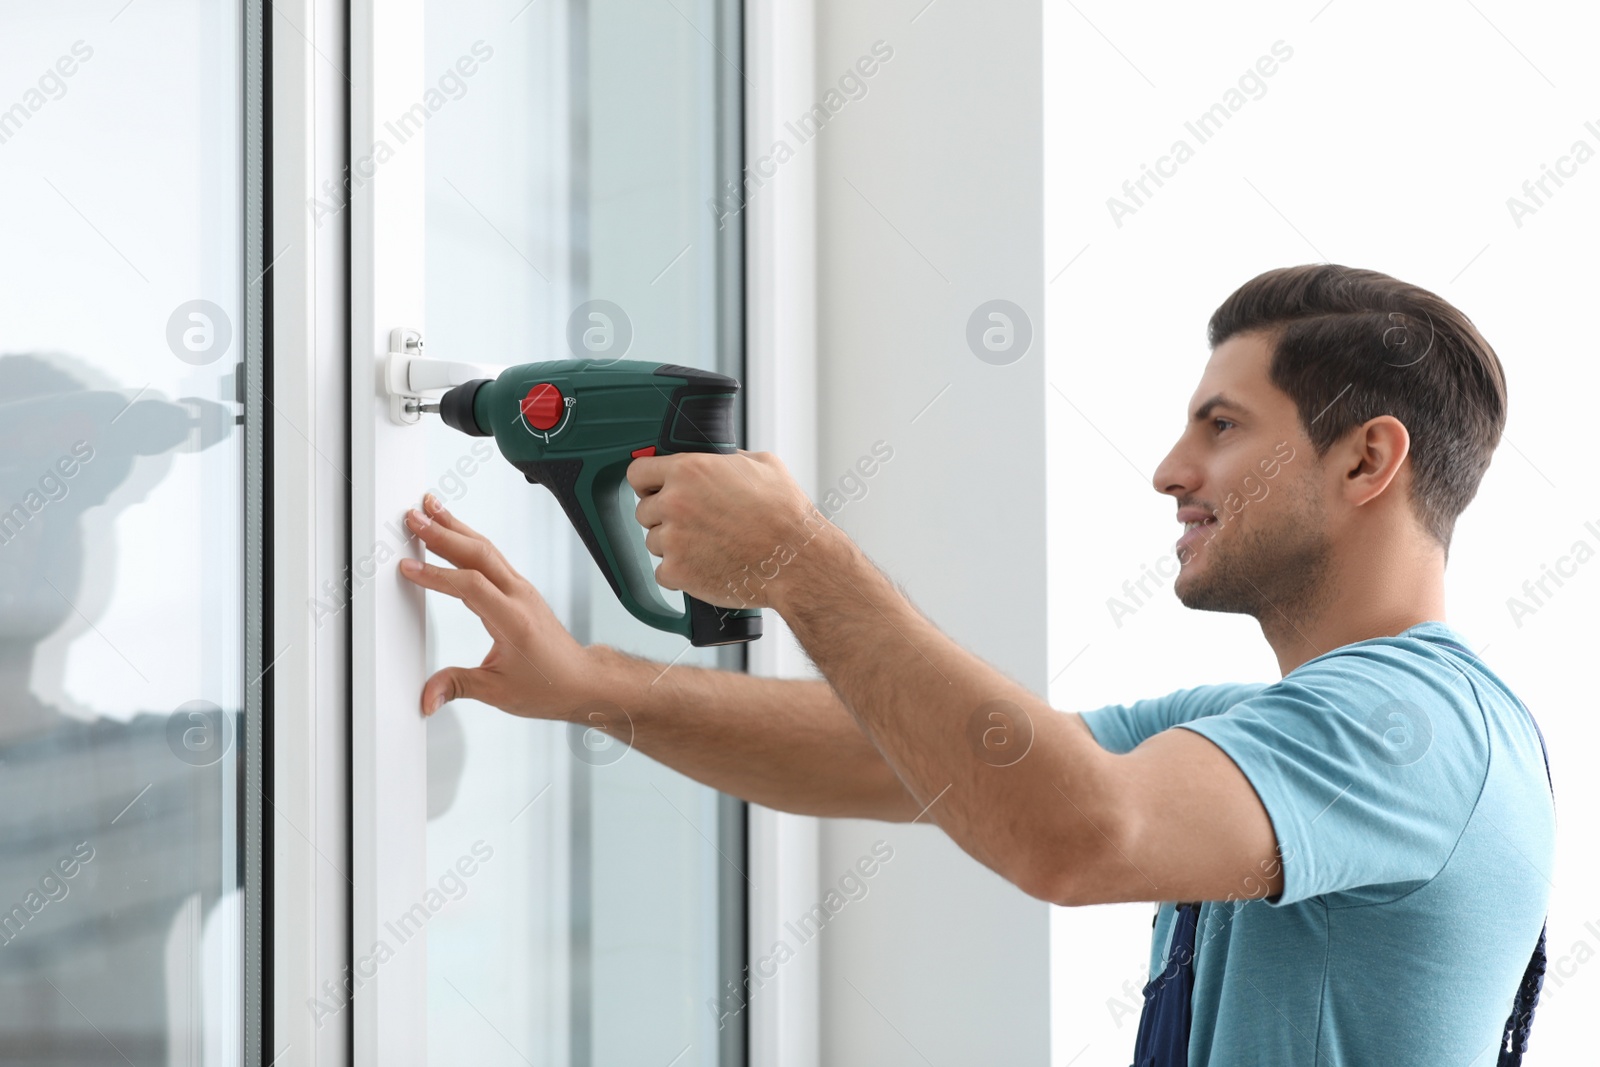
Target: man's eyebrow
1220,401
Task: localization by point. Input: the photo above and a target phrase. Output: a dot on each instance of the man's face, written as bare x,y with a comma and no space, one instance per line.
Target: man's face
1245,465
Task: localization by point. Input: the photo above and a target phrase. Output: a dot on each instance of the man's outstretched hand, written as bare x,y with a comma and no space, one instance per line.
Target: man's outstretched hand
535,668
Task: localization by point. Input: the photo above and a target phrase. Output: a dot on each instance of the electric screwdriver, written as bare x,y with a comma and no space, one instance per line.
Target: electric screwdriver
574,425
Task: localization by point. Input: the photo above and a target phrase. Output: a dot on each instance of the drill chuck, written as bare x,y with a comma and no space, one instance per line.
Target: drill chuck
456,408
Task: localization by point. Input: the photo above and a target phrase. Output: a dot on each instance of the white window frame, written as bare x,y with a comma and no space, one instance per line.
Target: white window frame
388,736
310,816
780,389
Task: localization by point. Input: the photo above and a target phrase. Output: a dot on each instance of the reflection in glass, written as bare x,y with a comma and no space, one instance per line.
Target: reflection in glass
121,588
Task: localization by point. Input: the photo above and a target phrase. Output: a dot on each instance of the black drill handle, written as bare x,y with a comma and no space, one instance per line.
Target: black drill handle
701,420
711,625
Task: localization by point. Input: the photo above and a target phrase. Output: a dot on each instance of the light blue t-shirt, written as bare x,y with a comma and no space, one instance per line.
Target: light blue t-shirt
1417,834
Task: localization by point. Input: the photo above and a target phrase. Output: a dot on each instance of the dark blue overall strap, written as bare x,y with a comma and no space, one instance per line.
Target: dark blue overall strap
1514,1040
1163,1039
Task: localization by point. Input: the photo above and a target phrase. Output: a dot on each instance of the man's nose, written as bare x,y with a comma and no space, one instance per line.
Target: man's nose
1173,475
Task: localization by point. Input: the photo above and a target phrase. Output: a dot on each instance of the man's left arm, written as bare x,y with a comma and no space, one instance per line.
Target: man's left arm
1067,821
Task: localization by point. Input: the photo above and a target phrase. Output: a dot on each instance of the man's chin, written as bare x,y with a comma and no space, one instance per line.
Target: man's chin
1188,585
1197,594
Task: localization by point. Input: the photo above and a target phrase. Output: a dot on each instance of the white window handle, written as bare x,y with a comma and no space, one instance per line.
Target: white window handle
409,376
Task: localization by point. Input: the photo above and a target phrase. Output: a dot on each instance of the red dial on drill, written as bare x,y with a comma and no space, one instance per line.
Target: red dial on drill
542,406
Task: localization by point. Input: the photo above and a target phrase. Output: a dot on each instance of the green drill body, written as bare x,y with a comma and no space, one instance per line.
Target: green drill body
574,426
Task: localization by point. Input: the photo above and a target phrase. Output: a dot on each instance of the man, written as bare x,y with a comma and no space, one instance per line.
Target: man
1371,835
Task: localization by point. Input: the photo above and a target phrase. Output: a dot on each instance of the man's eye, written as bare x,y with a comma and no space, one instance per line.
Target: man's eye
1217,420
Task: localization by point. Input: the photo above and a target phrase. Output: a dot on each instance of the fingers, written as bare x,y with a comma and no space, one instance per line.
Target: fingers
648,513
454,541
653,545
481,596
434,508
457,683
647,474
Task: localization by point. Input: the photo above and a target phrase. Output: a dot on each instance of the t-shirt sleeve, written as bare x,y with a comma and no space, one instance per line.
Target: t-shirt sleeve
1369,763
1122,727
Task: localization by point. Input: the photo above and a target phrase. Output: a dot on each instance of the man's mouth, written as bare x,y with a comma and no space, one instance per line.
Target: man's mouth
1192,534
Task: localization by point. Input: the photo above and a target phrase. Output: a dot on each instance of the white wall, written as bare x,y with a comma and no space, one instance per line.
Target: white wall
929,204
1391,139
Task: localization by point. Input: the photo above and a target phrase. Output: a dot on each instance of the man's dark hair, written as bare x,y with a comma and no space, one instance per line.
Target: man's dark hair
1349,345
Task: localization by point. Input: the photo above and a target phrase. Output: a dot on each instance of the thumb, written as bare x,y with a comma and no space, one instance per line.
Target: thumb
455,683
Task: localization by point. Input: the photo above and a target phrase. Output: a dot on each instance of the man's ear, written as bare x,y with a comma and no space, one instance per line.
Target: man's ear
1376,451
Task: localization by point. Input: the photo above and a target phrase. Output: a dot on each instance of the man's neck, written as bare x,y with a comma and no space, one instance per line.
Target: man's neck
1372,601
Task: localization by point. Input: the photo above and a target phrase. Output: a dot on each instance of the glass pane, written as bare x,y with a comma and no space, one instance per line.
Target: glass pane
576,162
122,546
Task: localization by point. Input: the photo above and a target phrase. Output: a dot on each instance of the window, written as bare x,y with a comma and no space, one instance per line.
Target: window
173,481
573,157
567,182
130,547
